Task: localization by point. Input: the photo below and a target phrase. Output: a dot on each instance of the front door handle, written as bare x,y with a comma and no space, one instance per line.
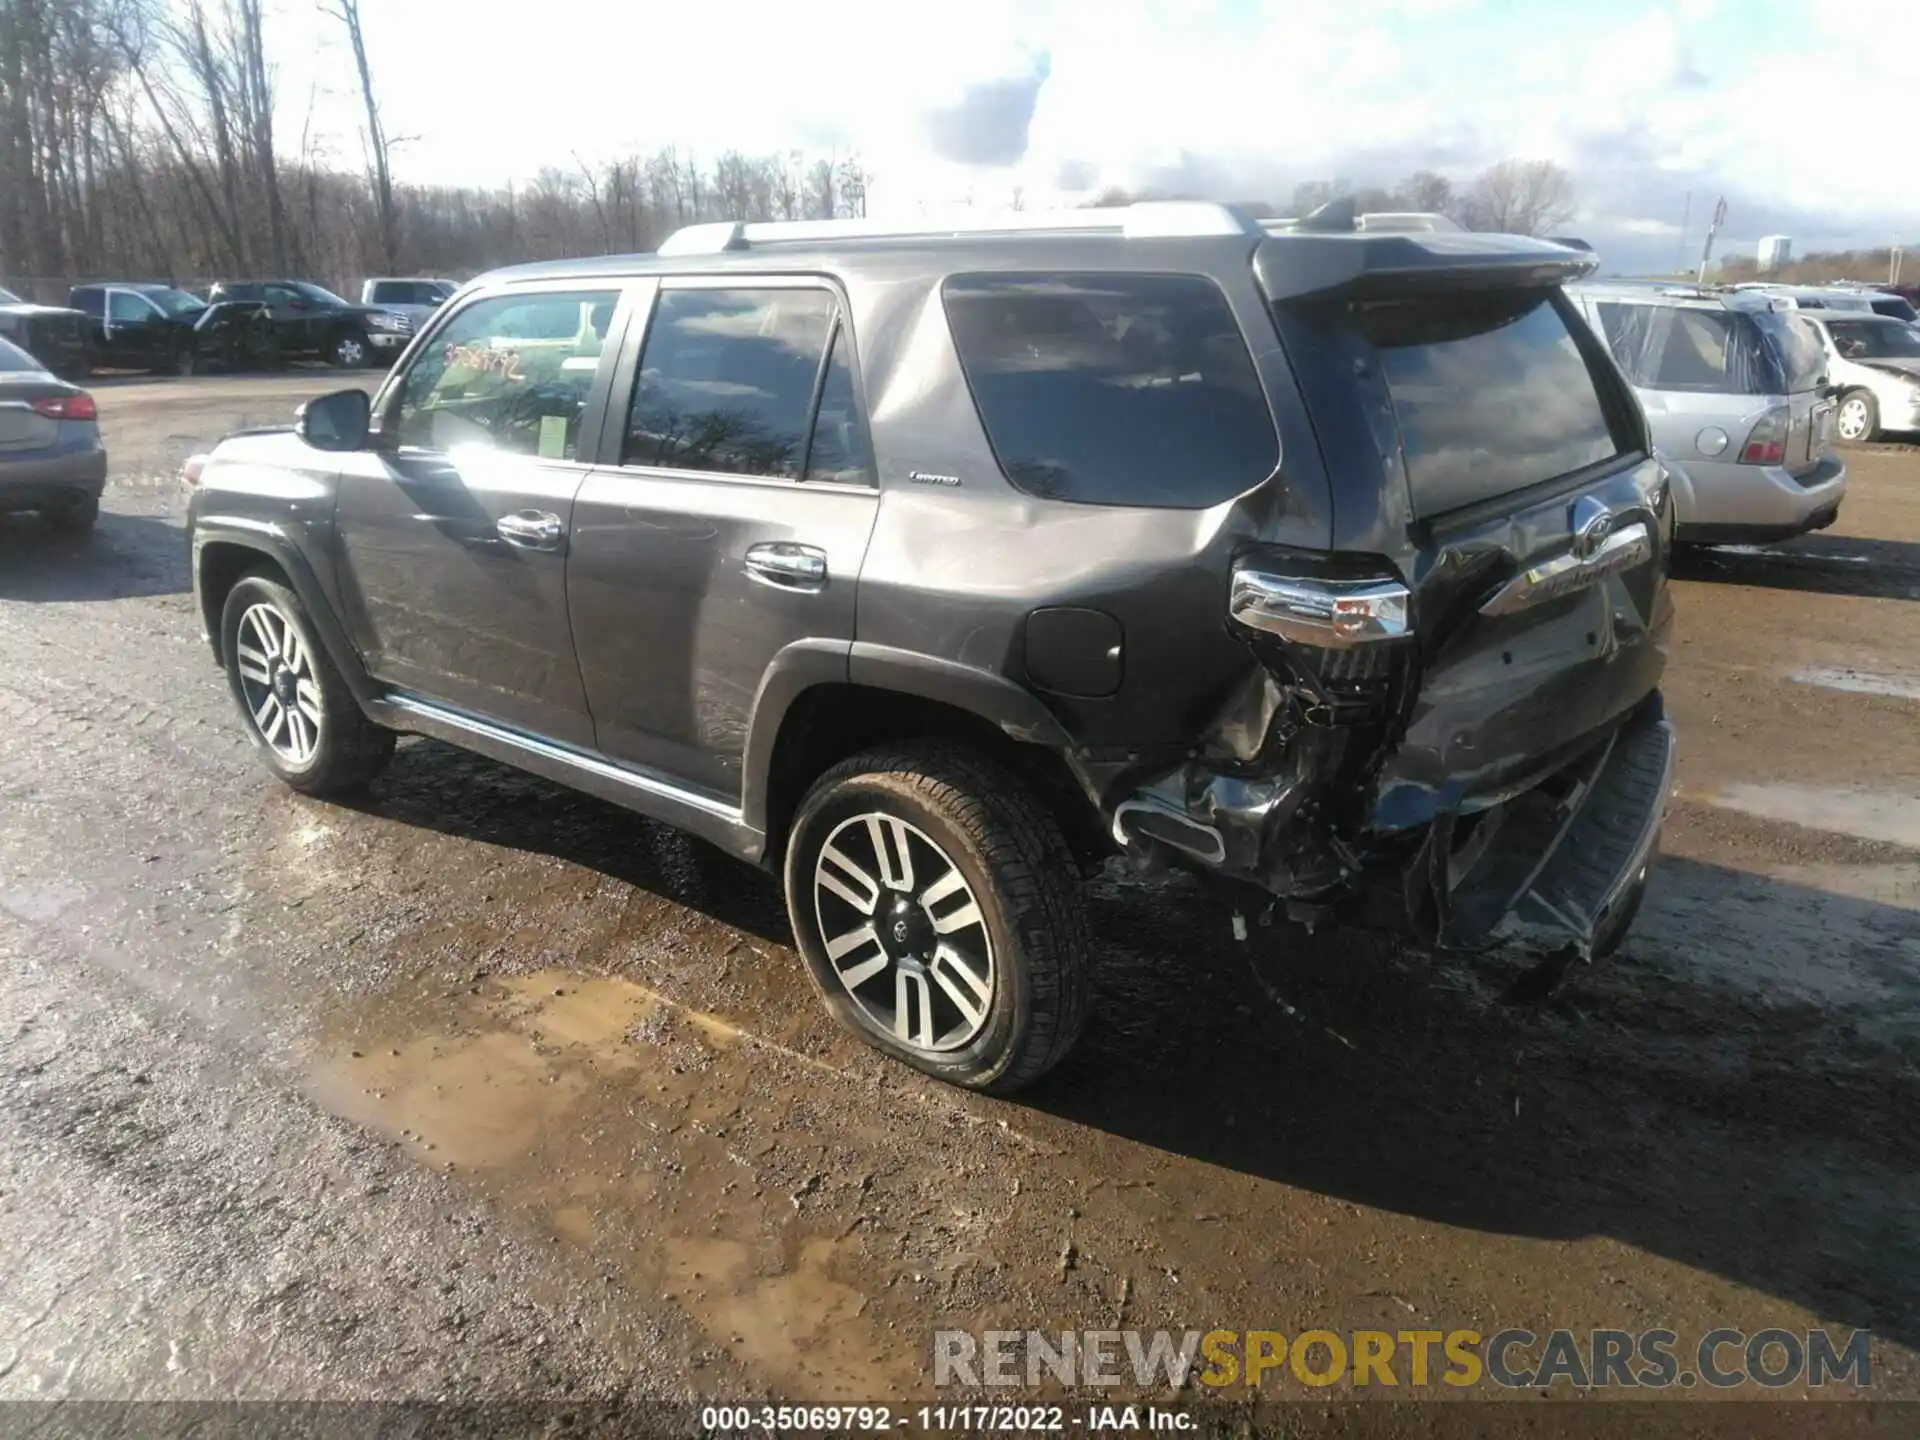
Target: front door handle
531,529
787,566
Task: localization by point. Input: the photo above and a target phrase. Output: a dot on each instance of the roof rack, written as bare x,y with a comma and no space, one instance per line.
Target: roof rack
1144,219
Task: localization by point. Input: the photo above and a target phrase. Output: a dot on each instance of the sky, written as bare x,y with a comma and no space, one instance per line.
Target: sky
1798,112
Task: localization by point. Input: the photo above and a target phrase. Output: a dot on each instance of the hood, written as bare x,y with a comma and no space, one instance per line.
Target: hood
1906,366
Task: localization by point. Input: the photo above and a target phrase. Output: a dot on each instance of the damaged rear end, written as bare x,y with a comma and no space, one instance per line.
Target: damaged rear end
1452,718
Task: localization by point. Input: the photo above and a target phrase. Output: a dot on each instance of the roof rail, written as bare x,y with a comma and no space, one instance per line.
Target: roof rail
1144,219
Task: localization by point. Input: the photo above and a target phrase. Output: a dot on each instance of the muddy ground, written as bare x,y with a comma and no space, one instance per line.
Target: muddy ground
480,1087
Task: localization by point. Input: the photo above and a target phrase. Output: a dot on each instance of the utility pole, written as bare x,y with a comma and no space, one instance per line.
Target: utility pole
1680,246
1713,228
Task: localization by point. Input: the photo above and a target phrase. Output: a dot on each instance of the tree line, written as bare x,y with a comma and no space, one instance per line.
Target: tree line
137,141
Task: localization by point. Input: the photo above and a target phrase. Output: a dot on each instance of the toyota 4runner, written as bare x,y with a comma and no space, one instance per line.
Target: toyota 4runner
926,569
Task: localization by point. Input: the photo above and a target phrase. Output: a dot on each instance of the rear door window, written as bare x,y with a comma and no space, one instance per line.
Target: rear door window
1491,391
728,379
1113,389
1702,350
509,373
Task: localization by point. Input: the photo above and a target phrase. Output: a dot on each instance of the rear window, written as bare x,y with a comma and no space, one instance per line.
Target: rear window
1874,339
1111,389
1491,392
1797,349
1710,351
1897,308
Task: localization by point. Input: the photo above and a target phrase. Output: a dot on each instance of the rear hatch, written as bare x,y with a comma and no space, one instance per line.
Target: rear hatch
1485,449
1799,362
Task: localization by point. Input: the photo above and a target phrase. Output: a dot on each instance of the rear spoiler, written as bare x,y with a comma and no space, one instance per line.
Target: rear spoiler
1308,266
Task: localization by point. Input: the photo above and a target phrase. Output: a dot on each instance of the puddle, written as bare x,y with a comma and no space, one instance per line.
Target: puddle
1860,682
650,1136
1865,815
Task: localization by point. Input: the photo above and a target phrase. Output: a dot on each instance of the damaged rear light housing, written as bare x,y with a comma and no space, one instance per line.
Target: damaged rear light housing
1329,613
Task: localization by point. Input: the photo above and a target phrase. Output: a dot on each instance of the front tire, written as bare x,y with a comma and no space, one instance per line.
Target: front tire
294,703
1857,420
934,901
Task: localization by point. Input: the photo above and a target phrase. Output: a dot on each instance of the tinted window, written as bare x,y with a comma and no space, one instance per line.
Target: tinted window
1491,393
1874,339
1113,389
12,357
509,373
93,301
727,380
318,294
123,305
389,292
1896,307
839,449
7,297
1797,348
174,302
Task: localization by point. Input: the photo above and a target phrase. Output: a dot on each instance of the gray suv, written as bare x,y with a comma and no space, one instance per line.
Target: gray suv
932,570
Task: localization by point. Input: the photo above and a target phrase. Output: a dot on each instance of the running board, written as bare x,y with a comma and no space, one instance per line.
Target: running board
703,815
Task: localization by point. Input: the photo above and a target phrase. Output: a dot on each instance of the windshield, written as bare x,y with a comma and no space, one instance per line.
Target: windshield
1874,339
175,302
316,292
7,297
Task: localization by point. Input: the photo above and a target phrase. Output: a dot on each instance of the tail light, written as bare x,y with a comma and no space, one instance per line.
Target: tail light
67,407
1767,444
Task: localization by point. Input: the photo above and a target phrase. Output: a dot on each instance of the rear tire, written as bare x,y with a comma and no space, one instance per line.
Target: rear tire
294,703
75,515
349,350
935,903
1857,418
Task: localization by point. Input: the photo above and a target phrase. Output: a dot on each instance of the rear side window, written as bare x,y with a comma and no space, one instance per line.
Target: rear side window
1491,392
728,382
1670,347
92,301
509,373
1113,389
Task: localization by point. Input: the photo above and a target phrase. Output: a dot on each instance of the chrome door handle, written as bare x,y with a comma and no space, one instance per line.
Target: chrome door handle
531,529
788,566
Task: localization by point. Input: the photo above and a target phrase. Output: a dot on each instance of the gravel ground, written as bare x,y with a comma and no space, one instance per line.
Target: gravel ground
482,1089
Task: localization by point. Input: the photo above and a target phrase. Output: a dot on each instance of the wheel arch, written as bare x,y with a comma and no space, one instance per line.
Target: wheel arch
826,703
222,555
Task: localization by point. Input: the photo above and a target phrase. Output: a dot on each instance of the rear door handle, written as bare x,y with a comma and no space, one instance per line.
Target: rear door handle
788,566
531,529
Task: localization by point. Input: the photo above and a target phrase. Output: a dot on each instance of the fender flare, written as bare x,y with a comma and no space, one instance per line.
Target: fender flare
806,664
271,542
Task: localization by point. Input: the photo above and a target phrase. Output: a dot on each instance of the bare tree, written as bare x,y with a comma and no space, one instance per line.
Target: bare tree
1427,192
1520,197
379,147
850,179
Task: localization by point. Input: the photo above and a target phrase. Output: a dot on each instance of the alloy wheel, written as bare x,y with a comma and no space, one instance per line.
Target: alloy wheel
1852,420
277,680
904,932
350,353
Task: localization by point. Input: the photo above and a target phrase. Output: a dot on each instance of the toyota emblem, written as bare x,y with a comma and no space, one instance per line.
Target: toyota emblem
1591,522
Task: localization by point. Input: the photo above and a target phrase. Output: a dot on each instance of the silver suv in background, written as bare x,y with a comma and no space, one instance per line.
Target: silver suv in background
414,298
1736,390
1839,297
1874,363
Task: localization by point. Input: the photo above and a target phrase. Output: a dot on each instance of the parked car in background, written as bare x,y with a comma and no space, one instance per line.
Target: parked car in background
162,328
1839,297
416,299
54,336
1735,386
311,322
51,458
927,574
1874,362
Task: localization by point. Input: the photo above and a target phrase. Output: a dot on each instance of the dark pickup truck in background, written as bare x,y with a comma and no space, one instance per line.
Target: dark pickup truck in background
135,325
311,322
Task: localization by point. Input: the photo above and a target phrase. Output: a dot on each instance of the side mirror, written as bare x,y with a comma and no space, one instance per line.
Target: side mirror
339,421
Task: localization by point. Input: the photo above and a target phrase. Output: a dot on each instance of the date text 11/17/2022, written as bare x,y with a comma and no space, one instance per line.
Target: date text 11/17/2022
877,1419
